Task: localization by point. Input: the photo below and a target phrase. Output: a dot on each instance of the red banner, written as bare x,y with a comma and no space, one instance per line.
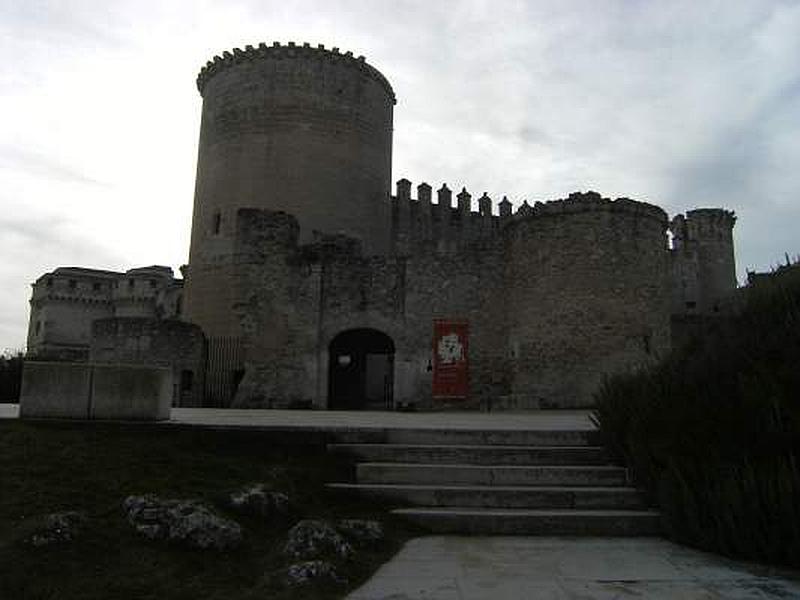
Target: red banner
450,358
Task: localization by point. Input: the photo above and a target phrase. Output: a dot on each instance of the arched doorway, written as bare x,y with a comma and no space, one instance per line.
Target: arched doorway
361,370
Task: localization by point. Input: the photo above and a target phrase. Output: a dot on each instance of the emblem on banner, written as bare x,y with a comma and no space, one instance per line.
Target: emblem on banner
450,358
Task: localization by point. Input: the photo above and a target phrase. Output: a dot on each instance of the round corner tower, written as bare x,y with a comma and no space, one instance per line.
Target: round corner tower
303,130
703,259
588,296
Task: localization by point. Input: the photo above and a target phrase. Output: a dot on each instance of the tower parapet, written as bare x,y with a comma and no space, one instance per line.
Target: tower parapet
291,50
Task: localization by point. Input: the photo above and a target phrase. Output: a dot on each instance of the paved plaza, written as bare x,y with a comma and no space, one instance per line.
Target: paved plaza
340,420
325,420
528,568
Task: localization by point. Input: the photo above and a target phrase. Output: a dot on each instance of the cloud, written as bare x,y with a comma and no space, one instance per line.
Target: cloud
45,167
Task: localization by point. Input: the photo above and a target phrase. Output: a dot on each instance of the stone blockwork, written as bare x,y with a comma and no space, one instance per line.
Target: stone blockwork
66,301
703,266
295,299
288,128
143,341
588,296
556,298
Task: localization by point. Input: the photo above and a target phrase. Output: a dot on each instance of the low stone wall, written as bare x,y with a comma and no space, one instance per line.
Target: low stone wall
89,391
55,389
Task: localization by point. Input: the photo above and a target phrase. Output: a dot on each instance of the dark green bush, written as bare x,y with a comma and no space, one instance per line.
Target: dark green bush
10,376
712,433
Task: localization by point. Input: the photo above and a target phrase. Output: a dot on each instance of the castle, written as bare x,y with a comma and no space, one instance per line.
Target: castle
310,284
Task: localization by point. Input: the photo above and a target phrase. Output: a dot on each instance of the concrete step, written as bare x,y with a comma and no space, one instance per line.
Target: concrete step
500,496
475,455
490,475
489,437
534,522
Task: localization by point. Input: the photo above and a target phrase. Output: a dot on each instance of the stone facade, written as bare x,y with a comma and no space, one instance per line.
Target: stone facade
66,301
555,299
311,124
80,314
307,276
155,342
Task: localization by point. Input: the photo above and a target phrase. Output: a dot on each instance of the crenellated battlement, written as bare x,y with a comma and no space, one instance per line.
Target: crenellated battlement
278,51
590,201
703,223
419,222
447,224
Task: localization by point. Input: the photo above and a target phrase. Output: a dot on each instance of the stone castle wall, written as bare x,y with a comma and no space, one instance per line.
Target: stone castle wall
64,304
297,298
144,341
67,302
588,285
703,266
555,299
288,128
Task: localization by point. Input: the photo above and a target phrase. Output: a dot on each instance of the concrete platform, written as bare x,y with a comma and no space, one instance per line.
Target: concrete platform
9,411
566,421
569,420
519,568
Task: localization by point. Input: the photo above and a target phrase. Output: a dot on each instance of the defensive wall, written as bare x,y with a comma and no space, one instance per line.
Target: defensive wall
557,297
146,341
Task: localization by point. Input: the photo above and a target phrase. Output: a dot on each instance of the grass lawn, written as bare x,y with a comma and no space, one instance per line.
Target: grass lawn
91,467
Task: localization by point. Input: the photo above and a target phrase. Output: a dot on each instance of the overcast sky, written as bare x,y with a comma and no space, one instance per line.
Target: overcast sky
683,104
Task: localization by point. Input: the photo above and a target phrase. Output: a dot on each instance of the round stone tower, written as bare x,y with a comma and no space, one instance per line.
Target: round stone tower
588,295
287,128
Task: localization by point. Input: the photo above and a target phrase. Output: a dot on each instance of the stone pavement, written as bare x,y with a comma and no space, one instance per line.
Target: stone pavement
561,420
9,411
323,420
522,568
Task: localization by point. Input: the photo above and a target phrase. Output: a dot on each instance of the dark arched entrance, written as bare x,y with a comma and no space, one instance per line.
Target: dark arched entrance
361,370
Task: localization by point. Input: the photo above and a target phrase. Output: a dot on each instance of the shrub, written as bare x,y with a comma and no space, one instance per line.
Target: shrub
10,376
712,433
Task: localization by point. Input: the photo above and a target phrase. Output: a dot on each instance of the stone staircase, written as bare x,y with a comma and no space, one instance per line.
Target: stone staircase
498,482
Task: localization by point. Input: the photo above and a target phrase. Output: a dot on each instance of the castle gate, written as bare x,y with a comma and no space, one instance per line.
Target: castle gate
361,371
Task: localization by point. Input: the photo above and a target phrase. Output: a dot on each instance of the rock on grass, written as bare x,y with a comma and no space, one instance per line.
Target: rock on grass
257,499
361,531
188,522
314,538
57,528
311,571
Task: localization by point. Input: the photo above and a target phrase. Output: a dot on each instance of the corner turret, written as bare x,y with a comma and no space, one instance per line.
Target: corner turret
703,267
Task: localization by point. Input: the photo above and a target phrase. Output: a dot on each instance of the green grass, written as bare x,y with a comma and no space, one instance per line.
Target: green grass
48,467
712,433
